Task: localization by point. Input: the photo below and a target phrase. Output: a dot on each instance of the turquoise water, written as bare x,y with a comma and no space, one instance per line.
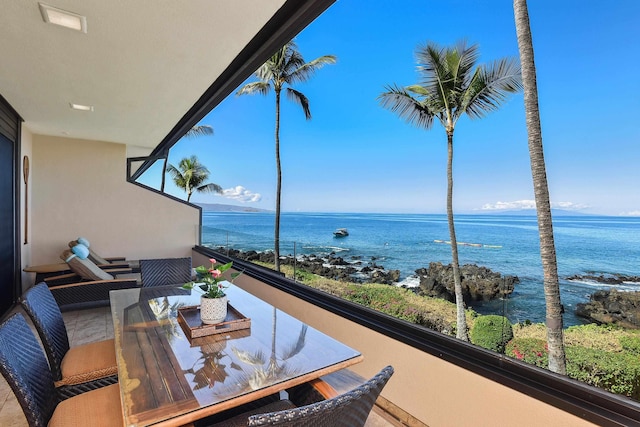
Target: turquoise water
509,245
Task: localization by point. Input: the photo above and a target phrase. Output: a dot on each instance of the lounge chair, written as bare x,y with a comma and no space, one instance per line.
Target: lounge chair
350,409
100,260
25,368
81,268
88,285
77,369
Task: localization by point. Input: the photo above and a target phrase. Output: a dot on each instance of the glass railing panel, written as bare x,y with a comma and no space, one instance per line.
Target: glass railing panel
387,248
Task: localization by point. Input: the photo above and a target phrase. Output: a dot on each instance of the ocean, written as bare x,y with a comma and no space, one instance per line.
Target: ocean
507,244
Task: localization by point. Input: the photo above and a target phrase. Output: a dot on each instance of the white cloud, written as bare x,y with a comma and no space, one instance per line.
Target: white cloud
516,205
530,204
241,194
631,213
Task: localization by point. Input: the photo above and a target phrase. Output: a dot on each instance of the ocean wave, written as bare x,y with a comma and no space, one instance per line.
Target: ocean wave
409,282
322,248
624,286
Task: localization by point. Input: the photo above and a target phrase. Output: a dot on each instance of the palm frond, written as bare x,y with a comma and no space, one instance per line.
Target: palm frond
261,87
174,172
298,345
300,99
307,70
209,188
490,86
399,101
199,130
256,358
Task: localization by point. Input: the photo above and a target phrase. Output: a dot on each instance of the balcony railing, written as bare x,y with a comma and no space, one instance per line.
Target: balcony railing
428,351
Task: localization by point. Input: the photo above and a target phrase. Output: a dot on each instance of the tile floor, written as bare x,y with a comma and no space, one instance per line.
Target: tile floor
85,326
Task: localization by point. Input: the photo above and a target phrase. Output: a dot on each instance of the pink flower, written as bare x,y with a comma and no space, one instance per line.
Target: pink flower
213,261
216,273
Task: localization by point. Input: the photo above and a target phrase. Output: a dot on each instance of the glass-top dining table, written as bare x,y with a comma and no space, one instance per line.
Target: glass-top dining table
169,379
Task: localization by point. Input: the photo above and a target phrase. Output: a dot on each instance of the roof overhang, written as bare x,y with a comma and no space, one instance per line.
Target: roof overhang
149,69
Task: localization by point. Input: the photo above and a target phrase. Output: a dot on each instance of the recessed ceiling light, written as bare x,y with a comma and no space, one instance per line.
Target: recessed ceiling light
81,107
56,16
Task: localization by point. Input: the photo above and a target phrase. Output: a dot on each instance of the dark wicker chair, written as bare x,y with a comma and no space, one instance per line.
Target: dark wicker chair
86,367
25,368
350,409
165,271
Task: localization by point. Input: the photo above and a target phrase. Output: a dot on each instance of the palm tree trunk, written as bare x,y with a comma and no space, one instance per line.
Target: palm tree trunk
557,362
276,238
164,172
461,329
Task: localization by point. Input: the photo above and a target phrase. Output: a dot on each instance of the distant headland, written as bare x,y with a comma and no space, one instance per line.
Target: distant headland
218,207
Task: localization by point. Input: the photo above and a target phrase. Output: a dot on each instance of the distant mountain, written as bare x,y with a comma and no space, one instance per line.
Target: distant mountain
531,212
218,207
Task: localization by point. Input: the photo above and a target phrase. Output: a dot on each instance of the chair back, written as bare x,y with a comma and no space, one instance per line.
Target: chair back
45,314
165,271
25,368
350,409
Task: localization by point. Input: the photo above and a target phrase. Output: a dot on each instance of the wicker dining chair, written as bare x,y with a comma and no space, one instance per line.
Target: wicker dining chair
350,409
165,271
76,369
26,371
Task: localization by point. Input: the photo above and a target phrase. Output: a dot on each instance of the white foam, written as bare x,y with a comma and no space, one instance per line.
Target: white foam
410,282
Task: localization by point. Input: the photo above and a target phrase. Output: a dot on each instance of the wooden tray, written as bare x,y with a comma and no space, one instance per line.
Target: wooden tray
189,320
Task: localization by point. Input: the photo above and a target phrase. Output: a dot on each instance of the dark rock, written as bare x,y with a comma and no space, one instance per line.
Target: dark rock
612,307
478,283
607,279
385,277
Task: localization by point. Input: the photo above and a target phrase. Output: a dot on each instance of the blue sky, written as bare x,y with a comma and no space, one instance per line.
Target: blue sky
354,156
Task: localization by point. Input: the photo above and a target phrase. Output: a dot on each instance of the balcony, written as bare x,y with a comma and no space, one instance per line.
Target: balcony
77,186
433,372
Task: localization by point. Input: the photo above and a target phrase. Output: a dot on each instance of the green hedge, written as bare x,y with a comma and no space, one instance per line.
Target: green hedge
631,344
492,332
616,372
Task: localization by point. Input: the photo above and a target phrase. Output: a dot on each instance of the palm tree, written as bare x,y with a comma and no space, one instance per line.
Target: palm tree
557,362
190,175
449,86
285,67
195,131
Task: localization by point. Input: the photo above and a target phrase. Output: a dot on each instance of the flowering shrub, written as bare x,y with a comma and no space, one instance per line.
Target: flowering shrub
529,350
210,279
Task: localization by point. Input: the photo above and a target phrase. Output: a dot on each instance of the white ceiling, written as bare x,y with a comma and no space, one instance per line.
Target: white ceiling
142,63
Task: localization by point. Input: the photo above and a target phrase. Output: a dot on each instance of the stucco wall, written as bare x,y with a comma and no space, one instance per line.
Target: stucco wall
80,189
434,391
26,208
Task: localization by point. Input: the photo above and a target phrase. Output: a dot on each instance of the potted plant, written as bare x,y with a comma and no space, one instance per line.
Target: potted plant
213,302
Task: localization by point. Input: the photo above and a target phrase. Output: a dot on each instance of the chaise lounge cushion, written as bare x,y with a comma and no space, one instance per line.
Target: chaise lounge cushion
84,268
94,257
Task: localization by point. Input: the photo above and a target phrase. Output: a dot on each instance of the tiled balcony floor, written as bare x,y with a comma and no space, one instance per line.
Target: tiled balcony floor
85,326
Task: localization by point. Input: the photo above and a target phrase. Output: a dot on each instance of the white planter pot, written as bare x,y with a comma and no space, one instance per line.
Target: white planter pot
213,310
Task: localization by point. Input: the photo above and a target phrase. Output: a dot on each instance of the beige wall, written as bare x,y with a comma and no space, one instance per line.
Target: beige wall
434,391
80,189
26,148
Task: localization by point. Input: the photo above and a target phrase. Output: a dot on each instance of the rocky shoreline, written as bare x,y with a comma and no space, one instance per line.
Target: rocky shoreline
612,307
605,279
478,283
